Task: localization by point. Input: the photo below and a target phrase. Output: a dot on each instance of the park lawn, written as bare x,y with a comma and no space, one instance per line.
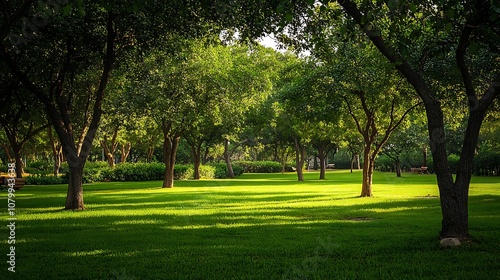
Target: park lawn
257,226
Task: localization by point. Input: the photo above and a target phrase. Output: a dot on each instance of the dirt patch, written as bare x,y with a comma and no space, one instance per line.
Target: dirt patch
428,196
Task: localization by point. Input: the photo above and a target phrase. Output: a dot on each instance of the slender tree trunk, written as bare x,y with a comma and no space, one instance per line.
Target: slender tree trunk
196,154
300,154
322,167
125,151
150,154
7,152
424,154
352,161
19,162
74,197
227,159
398,167
56,152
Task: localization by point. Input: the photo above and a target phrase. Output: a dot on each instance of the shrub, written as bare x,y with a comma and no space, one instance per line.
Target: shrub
259,166
44,179
487,163
221,170
183,172
207,172
453,160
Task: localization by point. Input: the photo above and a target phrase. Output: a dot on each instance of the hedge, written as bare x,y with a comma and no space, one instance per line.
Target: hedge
260,166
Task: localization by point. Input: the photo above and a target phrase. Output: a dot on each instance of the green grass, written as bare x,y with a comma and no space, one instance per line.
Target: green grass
258,226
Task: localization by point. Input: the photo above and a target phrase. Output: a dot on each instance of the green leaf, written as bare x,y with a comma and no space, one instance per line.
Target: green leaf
474,48
448,27
67,9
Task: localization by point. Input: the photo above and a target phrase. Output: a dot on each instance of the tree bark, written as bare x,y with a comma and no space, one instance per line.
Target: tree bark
110,148
125,151
424,156
19,162
170,145
300,155
322,167
227,159
368,165
196,154
397,162
74,197
7,152
56,152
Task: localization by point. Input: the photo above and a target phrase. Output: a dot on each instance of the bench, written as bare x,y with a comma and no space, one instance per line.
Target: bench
330,166
416,170
19,183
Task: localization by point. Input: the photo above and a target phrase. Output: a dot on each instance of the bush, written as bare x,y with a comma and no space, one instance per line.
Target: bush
221,170
183,172
207,172
259,166
44,179
487,163
453,160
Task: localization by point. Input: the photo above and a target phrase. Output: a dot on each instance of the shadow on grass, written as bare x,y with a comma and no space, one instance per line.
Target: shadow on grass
266,243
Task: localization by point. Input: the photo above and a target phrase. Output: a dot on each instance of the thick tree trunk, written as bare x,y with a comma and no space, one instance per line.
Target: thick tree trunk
170,145
368,166
227,159
74,197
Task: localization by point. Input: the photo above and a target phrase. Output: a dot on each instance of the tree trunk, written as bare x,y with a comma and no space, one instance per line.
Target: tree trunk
7,152
300,154
227,159
397,162
170,145
74,197
424,154
352,161
196,153
322,167
150,154
368,165
19,162
125,151
56,152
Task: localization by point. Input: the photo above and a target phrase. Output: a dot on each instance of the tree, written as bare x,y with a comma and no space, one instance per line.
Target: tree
69,56
417,37
312,100
20,118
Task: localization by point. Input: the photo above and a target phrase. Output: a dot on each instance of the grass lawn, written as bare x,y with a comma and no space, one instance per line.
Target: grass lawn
258,226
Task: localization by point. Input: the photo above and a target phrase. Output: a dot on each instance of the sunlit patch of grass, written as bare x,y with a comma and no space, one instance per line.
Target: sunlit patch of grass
258,226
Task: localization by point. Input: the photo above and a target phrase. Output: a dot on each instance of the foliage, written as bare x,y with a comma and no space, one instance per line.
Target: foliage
487,163
259,166
221,170
45,179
